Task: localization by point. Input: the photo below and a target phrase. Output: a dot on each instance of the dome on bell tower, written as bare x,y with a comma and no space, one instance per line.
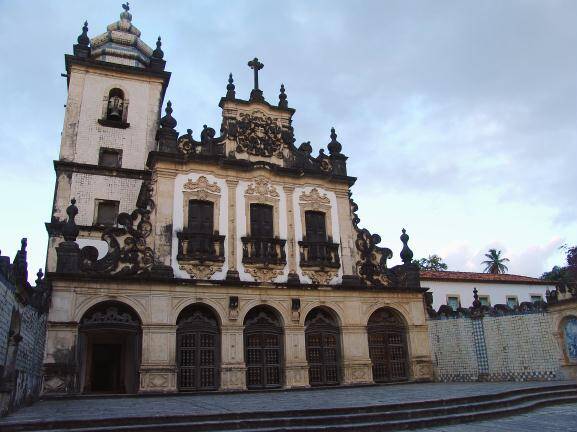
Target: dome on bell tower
121,43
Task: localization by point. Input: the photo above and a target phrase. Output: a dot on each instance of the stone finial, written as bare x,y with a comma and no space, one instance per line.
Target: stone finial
282,98
334,146
39,277
406,252
125,15
168,122
83,39
70,230
476,301
158,53
306,147
230,93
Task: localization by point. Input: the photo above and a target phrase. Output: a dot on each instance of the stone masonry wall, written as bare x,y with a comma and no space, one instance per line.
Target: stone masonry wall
518,347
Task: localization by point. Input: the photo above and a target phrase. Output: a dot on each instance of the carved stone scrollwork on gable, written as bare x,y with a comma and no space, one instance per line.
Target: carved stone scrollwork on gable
128,251
258,134
111,316
372,263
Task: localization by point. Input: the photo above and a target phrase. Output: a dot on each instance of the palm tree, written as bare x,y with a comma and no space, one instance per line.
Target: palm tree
494,263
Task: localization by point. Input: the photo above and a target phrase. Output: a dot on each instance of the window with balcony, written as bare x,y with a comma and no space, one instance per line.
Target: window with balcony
262,246
199,241
317,249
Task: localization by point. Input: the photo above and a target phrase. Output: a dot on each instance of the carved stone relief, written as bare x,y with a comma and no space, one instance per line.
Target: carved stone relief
198,270
321,277
202,185
264,273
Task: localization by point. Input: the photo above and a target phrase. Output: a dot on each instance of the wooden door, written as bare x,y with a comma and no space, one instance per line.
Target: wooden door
263,339
200,222
388,347
322,340
198,348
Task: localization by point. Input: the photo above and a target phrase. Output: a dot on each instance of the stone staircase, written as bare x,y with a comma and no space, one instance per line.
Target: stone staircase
389,417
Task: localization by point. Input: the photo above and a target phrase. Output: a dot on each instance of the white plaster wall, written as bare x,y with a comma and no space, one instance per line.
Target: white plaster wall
241,231
143,113
178,219
299,228
497,292
87,188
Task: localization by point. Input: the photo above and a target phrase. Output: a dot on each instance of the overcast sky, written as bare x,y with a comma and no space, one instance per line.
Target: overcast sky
459,117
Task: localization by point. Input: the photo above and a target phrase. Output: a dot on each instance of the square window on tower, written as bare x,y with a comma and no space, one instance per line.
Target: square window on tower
110,158
106,212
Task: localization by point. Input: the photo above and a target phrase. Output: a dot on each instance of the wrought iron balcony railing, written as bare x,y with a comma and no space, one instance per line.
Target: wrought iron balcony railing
263,250
200,247
319,254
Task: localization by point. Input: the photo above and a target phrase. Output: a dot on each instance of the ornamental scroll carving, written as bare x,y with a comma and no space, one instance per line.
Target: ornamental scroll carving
315,199
111,316
201,187
128,251
372,263
264,273
261,187
320,277
258,134
199,270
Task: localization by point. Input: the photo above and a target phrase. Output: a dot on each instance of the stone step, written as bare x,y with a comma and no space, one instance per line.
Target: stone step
414,413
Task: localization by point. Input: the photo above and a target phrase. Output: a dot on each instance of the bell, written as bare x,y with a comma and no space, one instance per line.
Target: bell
115,108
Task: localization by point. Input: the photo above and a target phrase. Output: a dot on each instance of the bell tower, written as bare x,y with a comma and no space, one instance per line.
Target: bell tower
116,85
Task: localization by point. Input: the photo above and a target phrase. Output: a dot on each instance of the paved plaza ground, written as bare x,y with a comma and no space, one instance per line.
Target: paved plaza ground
563,418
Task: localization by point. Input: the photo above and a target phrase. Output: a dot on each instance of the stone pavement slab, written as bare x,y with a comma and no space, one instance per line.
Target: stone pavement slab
562,418
215,403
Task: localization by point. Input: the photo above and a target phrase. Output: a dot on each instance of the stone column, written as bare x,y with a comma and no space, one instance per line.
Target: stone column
357,366
296,365
232,273
233,368
293,249
158,361
419,346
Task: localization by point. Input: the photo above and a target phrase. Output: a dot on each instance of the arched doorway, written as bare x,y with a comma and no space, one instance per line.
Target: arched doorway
322,339
110,344
263,348
198,349
387,333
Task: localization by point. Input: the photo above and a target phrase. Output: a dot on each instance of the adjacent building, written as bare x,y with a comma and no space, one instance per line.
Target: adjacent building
455,288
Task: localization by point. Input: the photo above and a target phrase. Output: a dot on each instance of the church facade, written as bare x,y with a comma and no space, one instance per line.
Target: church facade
230,261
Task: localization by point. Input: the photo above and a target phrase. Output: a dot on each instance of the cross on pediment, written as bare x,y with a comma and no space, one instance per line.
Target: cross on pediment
256,93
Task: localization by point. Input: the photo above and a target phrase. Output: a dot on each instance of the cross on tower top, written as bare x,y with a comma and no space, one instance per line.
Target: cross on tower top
256,93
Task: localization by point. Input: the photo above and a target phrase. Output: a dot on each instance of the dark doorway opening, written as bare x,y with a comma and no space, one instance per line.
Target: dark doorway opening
106,368
109,349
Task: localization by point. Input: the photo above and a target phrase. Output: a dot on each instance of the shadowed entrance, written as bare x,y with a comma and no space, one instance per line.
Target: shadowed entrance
110,341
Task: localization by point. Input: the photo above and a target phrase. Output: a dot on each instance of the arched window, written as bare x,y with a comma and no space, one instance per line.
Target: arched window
323,347
115,108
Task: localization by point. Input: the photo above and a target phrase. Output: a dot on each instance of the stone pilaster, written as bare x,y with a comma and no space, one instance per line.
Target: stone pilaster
348,235
232,273
233,369
419,355
291,236
158,364
163,185
296,365
357,366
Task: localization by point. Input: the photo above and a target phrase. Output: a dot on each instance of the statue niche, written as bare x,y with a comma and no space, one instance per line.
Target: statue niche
115,106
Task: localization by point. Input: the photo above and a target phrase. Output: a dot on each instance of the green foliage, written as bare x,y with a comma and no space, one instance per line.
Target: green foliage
495,263
566,274
433,262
